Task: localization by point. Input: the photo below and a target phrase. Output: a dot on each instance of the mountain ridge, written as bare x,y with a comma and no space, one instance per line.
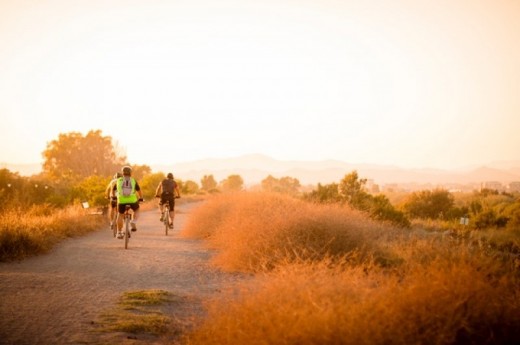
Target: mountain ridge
253,168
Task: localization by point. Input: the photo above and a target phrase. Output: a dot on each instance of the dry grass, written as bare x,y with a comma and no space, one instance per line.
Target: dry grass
464,301
310,290
32,231
258,231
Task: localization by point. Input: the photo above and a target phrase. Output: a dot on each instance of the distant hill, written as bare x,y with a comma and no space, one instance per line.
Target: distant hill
254,168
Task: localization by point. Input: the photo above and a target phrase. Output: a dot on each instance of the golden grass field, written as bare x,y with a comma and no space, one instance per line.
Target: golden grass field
34,230
328,275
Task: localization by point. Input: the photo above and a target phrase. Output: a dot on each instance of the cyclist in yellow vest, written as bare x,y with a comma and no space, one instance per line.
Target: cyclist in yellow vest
128,193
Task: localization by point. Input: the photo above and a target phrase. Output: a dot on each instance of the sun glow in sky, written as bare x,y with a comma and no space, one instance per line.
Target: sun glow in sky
413,83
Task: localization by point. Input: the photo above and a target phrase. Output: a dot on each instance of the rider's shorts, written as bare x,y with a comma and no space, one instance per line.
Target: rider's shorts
168,197
121,208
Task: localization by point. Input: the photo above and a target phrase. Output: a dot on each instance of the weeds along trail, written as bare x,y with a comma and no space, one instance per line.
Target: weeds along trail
54,298
328,275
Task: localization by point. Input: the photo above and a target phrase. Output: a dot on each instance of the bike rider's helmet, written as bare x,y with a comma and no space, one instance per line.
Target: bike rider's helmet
117,175
127,171
170,176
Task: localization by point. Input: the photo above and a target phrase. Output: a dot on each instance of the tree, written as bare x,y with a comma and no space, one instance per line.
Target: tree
351,188
232,183
428,204
380,208
91,189
352,191
208,183
325,194
140,171
189,187
285,185
77,156
149,184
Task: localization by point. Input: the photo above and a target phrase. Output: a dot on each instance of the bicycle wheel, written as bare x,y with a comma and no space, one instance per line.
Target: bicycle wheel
127,231
166,219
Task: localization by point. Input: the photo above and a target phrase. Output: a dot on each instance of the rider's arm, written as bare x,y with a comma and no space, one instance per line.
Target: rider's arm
177,190
138,191
159,189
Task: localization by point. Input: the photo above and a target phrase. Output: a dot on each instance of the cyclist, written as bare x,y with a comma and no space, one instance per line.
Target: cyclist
128,193
111,194
167,190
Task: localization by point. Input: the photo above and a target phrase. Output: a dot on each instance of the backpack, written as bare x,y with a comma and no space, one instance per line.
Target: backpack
167,186
127,186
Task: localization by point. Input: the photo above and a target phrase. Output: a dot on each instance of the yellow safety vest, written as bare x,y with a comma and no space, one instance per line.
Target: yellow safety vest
128,199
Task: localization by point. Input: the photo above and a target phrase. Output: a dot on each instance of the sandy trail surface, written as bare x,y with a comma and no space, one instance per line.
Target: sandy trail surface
55,298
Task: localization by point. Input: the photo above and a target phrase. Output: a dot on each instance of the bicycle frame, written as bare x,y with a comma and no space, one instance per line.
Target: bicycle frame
166,217
127,218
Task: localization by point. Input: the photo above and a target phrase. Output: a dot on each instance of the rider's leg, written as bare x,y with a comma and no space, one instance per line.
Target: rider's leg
161,207
133,222
172,214
113,214
120,218
110,212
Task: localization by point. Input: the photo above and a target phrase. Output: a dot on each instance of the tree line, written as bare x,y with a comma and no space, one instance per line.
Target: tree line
78,167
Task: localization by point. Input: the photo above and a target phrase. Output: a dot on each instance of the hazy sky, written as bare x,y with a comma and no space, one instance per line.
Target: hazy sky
406,82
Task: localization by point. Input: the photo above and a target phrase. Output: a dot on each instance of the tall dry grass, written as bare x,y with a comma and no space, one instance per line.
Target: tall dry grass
35,230
444,301
258,231
430,289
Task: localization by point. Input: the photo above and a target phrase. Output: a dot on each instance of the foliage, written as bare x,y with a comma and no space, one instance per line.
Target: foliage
233,183
351,190
17,191
490,209
285,185
189,187
92,189
512,213
427,204
381,209
325,194
149,184
139,171
74,156
208,183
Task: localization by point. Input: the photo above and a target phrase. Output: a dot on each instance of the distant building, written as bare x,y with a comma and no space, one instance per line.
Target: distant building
372,187
514,187
493,185
391,187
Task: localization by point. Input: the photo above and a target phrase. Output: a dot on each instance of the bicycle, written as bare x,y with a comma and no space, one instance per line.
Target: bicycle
127,219
166,216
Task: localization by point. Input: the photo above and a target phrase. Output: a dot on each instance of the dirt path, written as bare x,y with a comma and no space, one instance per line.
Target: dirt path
54,298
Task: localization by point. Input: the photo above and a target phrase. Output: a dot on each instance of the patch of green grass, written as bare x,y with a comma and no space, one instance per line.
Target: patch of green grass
138,312
145,298
153,323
